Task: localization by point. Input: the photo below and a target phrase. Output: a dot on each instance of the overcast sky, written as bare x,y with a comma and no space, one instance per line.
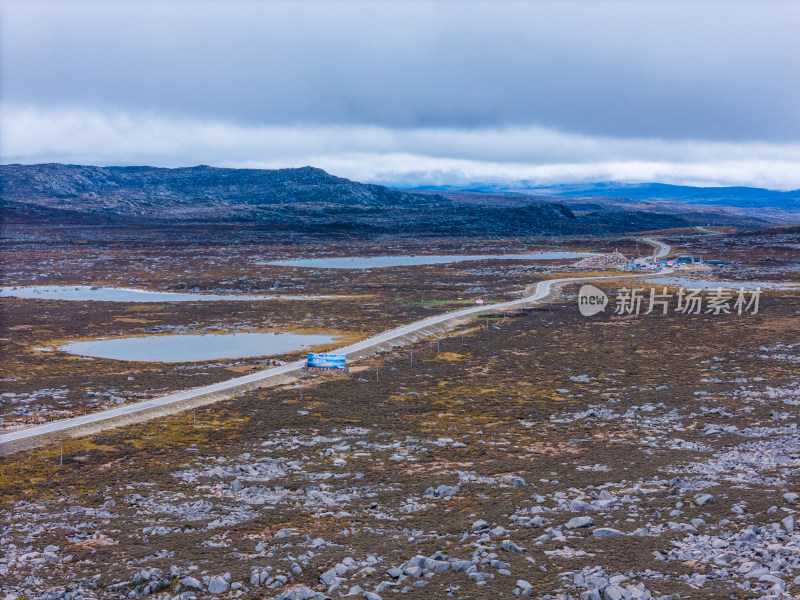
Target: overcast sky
410,93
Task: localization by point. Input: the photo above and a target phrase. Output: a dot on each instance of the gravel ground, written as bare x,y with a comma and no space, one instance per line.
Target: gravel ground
547,455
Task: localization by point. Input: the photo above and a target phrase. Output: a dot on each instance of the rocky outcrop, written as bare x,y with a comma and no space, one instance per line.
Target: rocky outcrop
304,200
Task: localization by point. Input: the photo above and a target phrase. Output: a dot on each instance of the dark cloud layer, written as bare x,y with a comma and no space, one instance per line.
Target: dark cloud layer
408,93
704,70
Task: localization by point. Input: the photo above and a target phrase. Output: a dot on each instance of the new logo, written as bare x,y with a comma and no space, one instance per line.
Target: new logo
591,300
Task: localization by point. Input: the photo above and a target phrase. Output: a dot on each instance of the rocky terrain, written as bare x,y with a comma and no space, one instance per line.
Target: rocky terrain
499,466
305,200
540,454
744,253
42,384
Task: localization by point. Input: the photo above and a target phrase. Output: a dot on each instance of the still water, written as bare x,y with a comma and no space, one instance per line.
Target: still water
191,348
85,293
372,262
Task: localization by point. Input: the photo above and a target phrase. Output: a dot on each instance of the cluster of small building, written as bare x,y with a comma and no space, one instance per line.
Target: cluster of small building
638,264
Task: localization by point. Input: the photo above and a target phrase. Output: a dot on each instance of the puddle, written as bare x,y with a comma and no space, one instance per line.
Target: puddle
708,284
372,262
191,348
86,293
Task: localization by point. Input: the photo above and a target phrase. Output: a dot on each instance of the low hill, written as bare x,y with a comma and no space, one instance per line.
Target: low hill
303,200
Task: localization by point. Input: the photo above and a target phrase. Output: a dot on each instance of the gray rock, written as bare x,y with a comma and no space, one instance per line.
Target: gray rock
413,571
300,593
580,505
395,572
383,585
328,576
337,581
439,566
443,491
638,592
498,564
613,592
510,546
479,524
609,532
218,585
577,522
702,499
191,582
788,523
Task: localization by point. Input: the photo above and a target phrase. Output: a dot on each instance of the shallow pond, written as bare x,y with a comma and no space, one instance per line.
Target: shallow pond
191,348
86,293
372,262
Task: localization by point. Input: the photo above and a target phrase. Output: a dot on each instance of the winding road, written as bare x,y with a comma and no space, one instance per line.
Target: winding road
107,419
703,229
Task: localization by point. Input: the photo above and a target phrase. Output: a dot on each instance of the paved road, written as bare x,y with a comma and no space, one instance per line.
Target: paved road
703,229
543,289
662,249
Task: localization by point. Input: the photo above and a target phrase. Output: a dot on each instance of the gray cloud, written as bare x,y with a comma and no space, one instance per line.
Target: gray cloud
395,156
691,84
716,70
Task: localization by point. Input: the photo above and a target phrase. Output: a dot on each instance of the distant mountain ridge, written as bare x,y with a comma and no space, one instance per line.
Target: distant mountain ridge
159,186
740,196
306,199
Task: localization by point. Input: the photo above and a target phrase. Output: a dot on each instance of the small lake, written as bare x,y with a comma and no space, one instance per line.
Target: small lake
708,284
373,262
85,293
192,348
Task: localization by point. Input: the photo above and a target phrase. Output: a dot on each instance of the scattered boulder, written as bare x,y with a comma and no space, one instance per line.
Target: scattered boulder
578,522
218,585
191,583
510,546
606,532
702,499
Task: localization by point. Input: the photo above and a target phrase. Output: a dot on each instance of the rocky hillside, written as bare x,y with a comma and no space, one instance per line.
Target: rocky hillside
303,200
185,192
